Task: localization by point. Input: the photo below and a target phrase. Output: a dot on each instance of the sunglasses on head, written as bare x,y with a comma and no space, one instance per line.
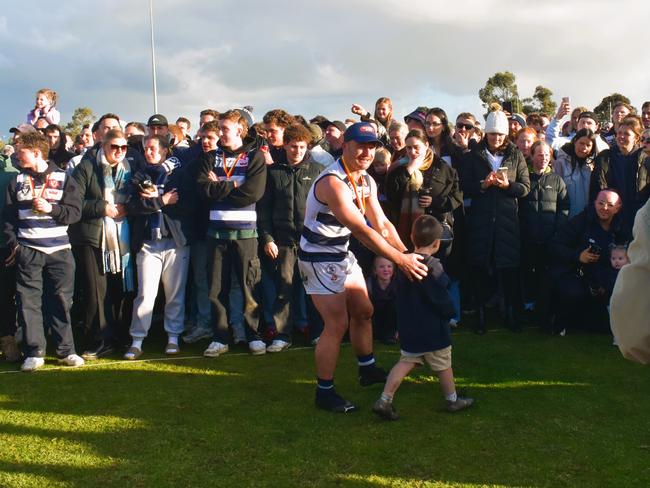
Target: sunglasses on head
116,147
645,140
460,125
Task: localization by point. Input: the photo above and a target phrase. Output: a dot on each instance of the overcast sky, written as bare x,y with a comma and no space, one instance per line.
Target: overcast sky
317,56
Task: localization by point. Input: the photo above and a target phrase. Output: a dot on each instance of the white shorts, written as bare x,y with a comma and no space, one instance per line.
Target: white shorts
328,278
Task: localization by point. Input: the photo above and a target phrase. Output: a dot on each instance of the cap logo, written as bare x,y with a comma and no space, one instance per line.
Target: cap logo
367,128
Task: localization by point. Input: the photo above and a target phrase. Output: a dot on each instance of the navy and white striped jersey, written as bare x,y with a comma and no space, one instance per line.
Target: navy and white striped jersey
324,238
47,233
224,215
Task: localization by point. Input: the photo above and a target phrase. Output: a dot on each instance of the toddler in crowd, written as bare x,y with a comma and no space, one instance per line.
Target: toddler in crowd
423,312
45,108
381,288
617,258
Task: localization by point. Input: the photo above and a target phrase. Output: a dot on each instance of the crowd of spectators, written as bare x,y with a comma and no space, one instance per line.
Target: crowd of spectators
536,213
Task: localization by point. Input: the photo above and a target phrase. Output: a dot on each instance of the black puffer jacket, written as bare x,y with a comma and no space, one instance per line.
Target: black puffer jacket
281,211
493,223
544,209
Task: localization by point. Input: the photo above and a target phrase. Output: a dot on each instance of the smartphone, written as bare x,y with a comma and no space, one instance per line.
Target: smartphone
566,100
503,170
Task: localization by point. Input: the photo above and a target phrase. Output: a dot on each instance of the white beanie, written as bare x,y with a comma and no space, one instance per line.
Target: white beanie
497,122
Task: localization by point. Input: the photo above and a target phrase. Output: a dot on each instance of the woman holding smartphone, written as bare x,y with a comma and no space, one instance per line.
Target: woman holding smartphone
496,175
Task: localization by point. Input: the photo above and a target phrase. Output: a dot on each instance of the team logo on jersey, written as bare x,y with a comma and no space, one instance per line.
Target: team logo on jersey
54,184
22,188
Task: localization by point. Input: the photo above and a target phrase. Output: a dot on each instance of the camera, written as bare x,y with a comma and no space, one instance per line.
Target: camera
593,247
147,185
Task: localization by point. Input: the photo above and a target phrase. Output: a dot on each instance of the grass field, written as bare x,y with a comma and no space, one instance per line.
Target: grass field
550,411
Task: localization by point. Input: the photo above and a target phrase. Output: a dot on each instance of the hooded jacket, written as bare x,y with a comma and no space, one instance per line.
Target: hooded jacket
576,174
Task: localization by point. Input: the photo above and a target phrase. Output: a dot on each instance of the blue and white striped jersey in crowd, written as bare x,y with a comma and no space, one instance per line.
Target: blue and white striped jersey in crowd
224,215
324,238
36,230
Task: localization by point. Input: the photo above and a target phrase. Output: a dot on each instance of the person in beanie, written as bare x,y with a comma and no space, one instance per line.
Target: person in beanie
496,175
40,203
338,204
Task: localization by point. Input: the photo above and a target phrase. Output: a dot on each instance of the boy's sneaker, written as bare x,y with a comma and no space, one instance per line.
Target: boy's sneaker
32,364
197,334
460,404
257,347
333,402
385,410
369,375
278,345
72,360
215,349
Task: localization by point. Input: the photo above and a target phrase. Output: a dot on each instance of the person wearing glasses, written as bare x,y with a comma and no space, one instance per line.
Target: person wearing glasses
579,254
100,240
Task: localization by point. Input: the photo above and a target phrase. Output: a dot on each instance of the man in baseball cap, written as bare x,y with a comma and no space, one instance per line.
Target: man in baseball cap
158,125
338,203
20,130
361,132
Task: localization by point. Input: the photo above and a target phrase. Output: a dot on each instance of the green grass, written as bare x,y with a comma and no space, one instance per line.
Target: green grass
549,411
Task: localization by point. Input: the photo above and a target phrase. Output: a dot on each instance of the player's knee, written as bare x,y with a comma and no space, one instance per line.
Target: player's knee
363,311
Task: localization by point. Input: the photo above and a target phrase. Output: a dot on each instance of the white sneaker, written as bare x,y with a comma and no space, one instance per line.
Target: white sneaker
215,349
32,364
257,347
278,345
72,360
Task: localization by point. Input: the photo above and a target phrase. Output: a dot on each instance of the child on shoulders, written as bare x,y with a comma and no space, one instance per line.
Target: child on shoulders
44,108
